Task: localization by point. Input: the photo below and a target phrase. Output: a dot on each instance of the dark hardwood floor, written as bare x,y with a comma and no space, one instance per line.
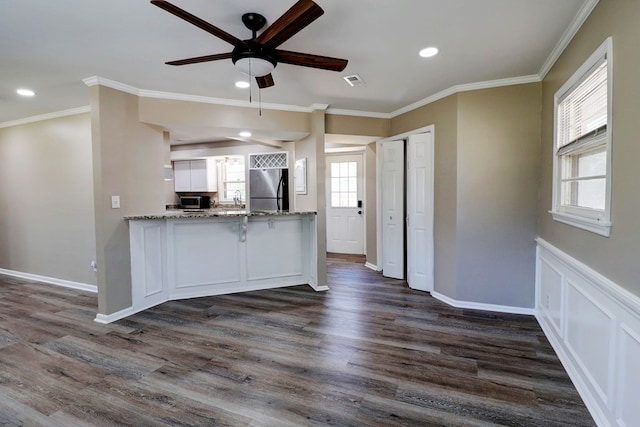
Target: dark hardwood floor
369,351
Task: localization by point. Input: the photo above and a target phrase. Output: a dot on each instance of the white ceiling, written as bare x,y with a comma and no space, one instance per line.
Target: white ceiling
50,46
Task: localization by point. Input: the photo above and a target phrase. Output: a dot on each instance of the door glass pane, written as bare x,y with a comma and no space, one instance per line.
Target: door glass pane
344,184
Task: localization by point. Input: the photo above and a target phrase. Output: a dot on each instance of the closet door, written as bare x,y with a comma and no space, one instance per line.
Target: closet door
393,209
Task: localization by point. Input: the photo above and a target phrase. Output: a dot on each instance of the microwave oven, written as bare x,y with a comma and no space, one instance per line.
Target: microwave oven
195,202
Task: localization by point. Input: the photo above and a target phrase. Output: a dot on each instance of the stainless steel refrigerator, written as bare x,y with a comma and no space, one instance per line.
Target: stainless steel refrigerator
269,189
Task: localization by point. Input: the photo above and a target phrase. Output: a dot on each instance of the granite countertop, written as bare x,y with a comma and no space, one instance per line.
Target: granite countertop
214,213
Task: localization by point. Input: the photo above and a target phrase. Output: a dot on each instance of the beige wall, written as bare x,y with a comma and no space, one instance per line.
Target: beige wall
486,181
615,257
165,112
46,199
128,159
498,165
306,149
444,115
354,125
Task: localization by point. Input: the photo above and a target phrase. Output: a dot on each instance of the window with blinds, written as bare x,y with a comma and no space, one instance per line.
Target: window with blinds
582,146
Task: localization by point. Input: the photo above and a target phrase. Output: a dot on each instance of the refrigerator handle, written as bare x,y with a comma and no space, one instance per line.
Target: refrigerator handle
280,182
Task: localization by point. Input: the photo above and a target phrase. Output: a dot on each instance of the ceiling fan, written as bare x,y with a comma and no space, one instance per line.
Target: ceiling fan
259,55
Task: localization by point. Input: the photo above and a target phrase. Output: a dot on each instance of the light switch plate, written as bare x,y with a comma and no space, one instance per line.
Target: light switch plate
115,202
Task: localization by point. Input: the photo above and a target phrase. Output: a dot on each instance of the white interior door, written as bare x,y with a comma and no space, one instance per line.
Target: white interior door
345,214
420,211
393,209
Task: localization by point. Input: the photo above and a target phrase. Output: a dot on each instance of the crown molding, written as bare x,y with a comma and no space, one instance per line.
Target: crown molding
95,80
568,35
465,88
144,93
221,101
321,107
341,112
48,116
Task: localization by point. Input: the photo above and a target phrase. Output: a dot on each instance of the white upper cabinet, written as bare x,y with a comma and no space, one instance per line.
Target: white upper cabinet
195,175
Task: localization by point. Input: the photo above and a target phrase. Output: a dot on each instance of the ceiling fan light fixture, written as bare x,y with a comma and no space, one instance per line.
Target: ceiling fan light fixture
255,66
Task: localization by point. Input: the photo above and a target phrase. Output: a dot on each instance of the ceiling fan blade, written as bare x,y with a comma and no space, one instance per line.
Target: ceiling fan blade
301,14
265,81
200,23
198,59
313,61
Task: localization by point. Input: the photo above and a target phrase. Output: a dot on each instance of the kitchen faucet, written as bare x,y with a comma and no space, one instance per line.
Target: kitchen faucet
237,199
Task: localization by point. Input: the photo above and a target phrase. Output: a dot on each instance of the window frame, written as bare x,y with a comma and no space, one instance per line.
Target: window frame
222,181
594,220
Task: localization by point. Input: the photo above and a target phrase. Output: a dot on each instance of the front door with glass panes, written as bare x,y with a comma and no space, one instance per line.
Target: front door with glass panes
345,213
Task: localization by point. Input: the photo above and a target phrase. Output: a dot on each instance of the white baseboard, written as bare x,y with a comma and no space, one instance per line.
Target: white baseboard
372,266
51,280
108,318
593,325
482,306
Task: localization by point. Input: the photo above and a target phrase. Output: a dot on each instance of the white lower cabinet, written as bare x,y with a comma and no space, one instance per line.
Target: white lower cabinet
194,257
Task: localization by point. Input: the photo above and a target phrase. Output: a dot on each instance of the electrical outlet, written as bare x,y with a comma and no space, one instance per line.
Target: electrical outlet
94,266
547,302
115,202
272,223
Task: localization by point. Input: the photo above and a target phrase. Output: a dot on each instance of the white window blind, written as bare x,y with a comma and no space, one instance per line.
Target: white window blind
582,113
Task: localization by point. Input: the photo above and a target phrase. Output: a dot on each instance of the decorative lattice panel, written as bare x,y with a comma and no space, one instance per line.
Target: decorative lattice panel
269,161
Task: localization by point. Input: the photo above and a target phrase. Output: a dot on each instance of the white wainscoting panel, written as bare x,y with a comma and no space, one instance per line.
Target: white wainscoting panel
147,263
594,327
203,252
628,378
275,247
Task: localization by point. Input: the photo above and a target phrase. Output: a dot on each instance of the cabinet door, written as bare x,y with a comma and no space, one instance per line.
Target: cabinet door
182,175
199,175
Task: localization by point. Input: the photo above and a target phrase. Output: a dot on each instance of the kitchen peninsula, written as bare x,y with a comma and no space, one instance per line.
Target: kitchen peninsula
182,254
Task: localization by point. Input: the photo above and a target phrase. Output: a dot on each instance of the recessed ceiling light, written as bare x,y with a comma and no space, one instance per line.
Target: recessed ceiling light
245,134
25,92
429,52
242,84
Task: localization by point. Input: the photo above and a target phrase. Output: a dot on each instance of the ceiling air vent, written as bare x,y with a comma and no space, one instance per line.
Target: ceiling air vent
354,80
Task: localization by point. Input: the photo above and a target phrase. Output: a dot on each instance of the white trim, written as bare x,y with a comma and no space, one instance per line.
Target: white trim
623,297
51,280
602,228
605,401
357,113
144,93
319,107
108,318
48,116
511,81
372,266
481,306
405,135
345,150
95,80
129,311
568,35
